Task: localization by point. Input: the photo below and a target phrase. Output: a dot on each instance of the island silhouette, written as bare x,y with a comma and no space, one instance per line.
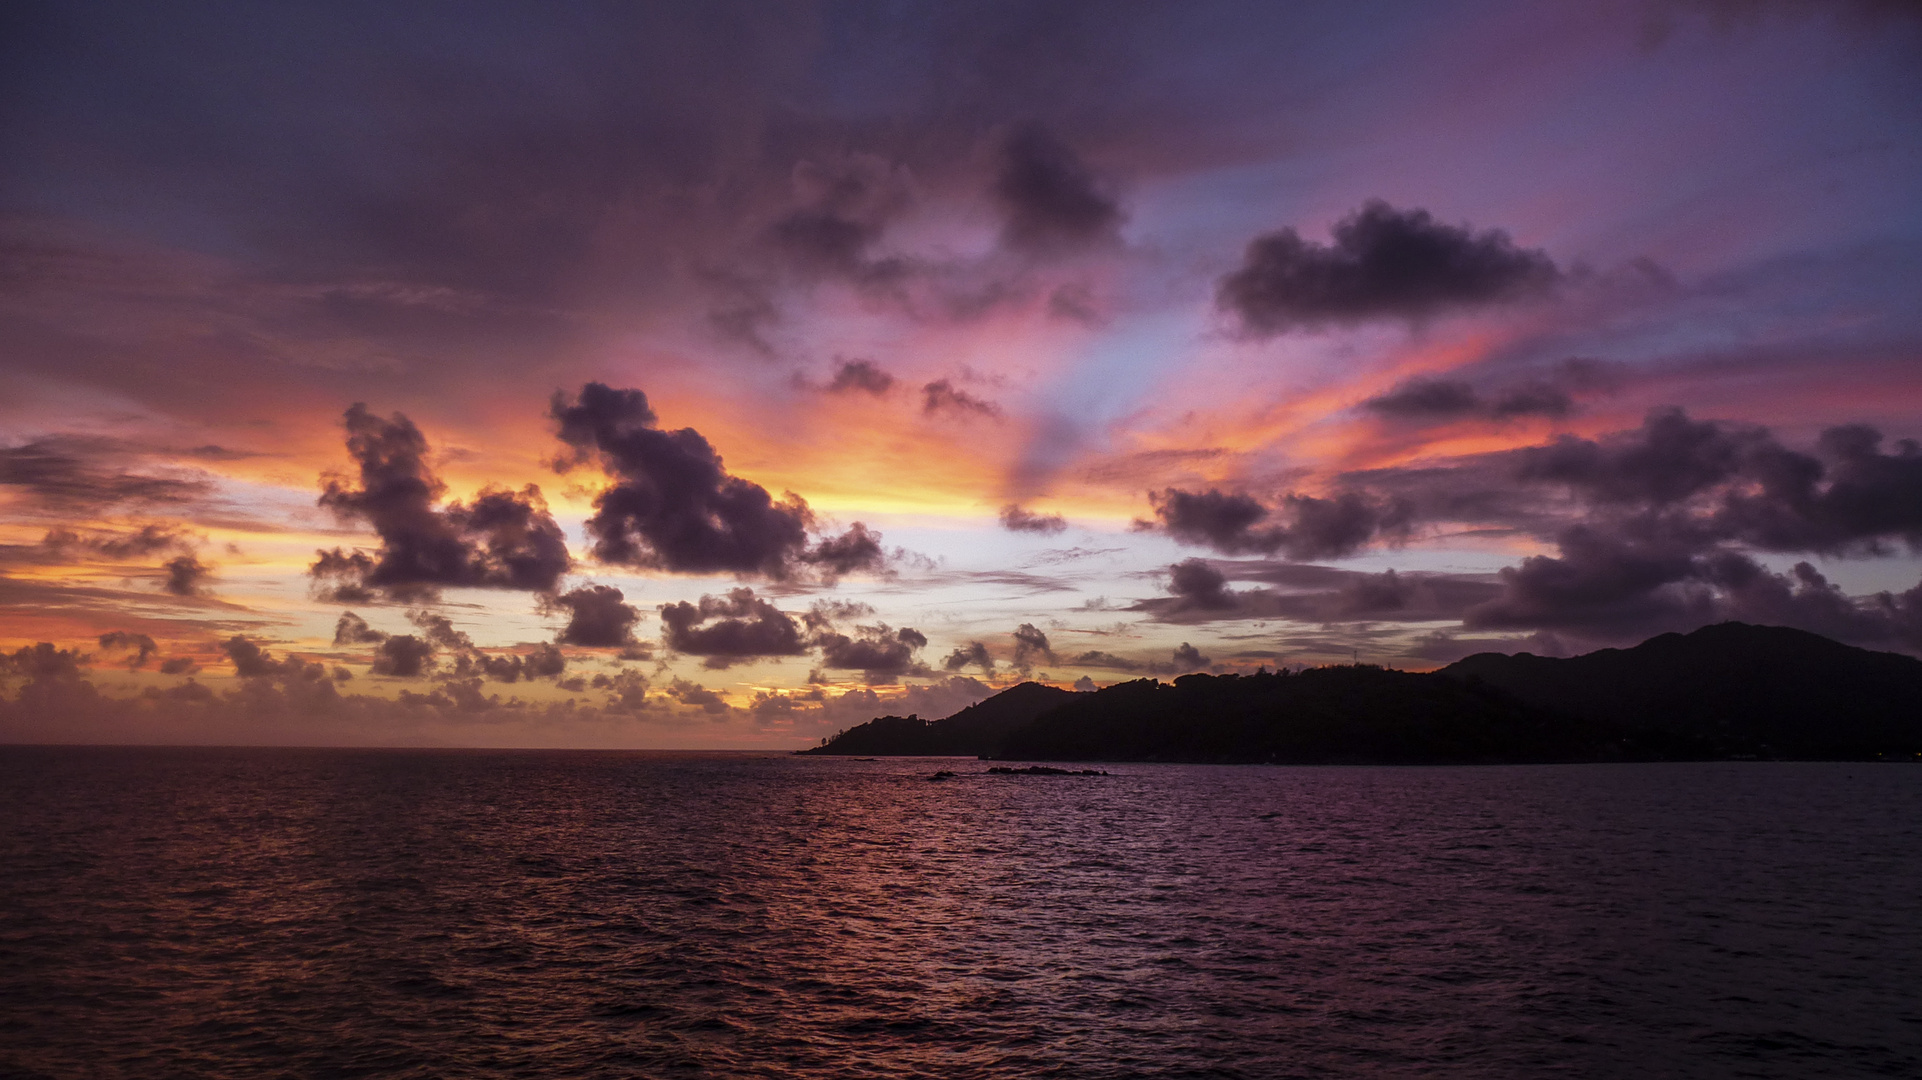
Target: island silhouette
1729,691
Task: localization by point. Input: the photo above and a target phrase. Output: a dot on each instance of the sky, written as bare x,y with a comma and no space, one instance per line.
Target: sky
724,375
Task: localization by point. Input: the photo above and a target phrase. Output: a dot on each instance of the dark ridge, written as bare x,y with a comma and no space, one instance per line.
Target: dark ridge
1727,691
1335,715
975,731
1766,691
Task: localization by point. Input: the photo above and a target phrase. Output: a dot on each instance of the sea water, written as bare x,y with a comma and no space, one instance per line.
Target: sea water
400,913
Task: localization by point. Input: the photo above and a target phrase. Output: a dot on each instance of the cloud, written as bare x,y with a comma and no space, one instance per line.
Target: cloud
1200,587
1550,394
1384,263
1016,519
673,506
1031,647
403,656
974,652
44,661
141,645
1317,528
693,693
879,652
846,205
253,662
1738,483
1096,658
743,627
861,375
1422,398
503,540
858,548
1668,512
186,576
597,617
941,396
351,629
1049,199
145,540
1188,658
84,474
408,656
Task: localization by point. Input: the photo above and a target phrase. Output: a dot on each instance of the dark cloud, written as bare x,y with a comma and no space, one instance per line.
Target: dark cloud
1324,594
1384,262
186,576
1374,594
628,689
503,540
597,617
673,506
408,656
253,662
1423,400
1669,458
1049,199
87,474
862,375
1737,483
1200,587
1533,399
1188,658
440,631
845,206
941,396
146,540
44,661
140,645
546,661
1095,658
403,656
878,651
1016,519
742,627
974,652
693,693
1316,528
823,614
1623,585
857,549
178,665
351,629
1031,647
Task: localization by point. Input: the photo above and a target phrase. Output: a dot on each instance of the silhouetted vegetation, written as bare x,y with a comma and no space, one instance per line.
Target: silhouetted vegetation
1739,690
1334,715
1724,691
975,731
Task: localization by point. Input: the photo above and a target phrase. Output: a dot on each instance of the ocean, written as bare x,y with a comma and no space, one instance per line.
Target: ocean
430,913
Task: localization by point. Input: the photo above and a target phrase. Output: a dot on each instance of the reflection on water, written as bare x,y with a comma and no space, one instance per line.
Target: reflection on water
409,913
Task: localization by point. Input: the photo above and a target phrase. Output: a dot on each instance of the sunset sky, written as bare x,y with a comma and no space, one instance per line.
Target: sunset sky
726,374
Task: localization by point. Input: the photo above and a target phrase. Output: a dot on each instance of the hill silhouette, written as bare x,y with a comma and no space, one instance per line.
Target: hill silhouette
1738,689
977,730
1731,690
1336,715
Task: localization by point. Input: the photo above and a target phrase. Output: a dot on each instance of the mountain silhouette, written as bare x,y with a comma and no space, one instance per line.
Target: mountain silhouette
1724,691
1358,714
1766,691
977,730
